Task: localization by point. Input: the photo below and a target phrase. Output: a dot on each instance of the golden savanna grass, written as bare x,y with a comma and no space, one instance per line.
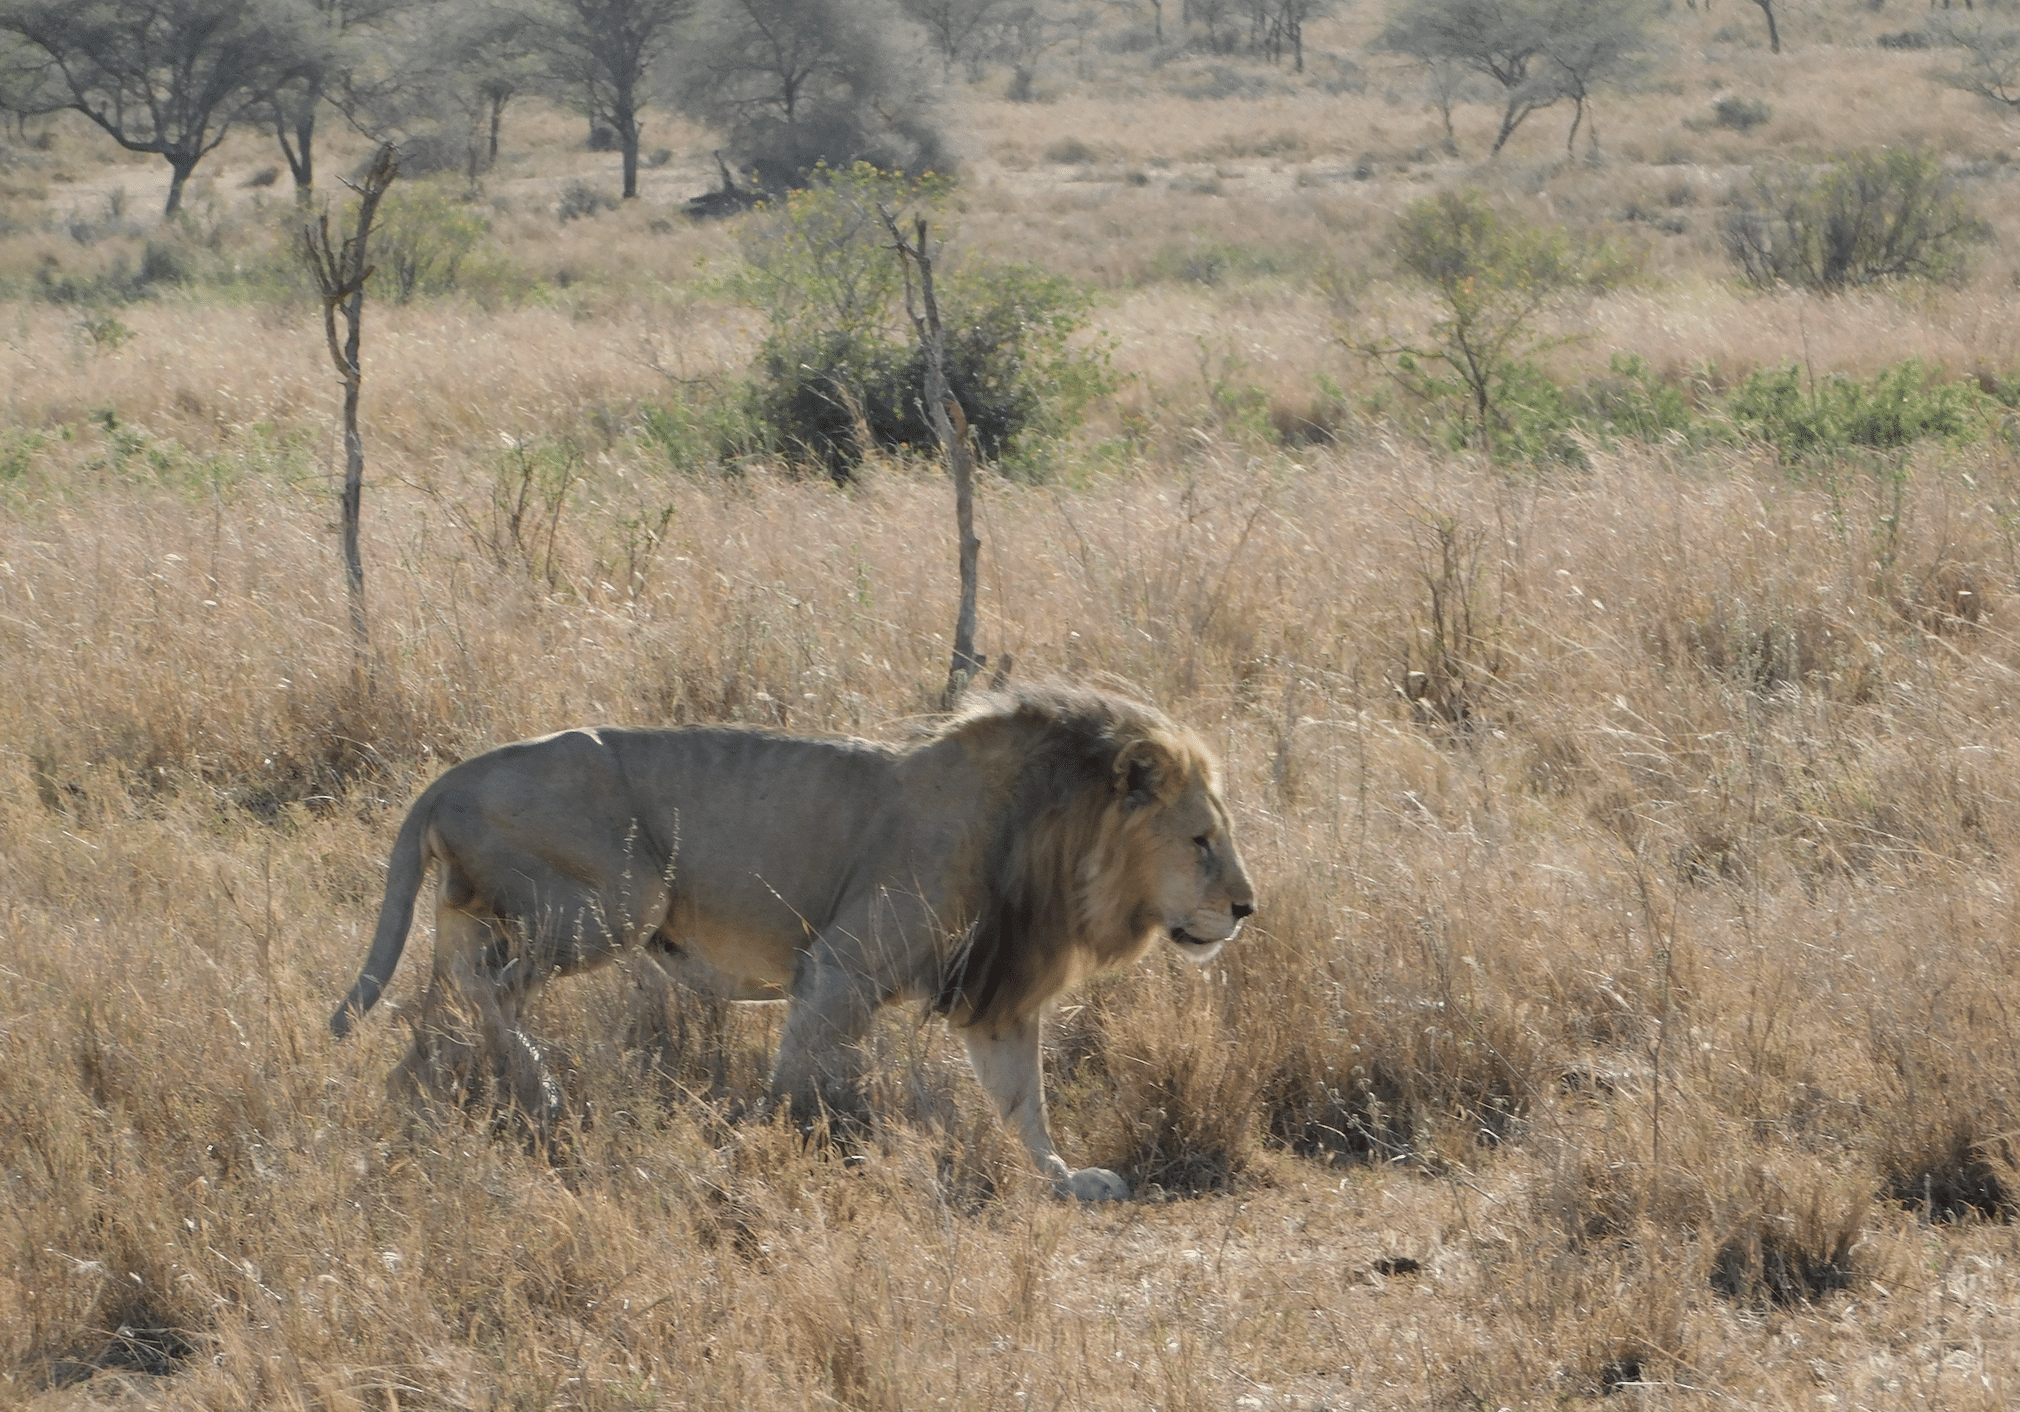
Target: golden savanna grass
1628,1018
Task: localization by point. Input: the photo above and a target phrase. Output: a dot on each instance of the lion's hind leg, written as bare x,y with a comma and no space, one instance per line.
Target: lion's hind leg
818,1071
468,1034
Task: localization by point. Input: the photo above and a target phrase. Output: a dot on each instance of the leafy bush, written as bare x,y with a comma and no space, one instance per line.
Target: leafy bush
1633,401
1492,278
1892,214
581,200
1804,420
19,446
1740,114
421,239
1903,404
841,361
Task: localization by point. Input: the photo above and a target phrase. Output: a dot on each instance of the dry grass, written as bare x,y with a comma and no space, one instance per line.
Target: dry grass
1628,1016
1666,994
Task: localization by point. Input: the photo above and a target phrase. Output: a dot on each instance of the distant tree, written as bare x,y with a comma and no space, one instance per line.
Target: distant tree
490,59
435,77
799,83
464,71
1536,51
1277,27
1590,42
608,51
958,29
1156,9
24,80
1218,22
1500,39
1287,28
325,38
168,77
1444,83
1021,39
1767,8
1991,58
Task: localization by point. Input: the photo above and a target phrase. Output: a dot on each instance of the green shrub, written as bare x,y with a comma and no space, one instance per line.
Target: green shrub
19,446
1631,400
1492,278
1872,216
841,360
1740,114
696,436
421,239
1905,403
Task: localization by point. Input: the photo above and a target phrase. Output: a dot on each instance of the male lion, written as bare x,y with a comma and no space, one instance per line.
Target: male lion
1035,836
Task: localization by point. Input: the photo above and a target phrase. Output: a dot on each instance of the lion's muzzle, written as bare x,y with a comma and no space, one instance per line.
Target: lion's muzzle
1200,949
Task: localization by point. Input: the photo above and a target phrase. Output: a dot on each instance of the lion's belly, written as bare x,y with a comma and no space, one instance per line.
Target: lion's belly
754,965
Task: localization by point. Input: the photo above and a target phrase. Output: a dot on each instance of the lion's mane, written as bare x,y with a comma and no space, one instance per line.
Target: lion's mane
1042,917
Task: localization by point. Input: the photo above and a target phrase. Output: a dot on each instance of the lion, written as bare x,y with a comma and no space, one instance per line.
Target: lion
1032,837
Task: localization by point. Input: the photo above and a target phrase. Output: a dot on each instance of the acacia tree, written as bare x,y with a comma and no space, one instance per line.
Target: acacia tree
327,40
802,82
441,80
957,28
168,77
487,61
608,51
1991,58
1767,8
1537,51
1593,41
1501,39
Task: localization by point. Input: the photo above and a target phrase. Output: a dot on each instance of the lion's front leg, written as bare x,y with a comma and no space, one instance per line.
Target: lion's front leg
1010,1069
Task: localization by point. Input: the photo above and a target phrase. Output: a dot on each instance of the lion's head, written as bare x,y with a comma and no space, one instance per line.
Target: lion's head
1111,833
1183,873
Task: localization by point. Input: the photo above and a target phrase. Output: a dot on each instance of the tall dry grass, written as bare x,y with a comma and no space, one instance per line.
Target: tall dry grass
1631,1009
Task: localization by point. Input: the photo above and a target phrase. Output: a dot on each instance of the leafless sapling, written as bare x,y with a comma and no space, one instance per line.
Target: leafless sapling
951,427
341,269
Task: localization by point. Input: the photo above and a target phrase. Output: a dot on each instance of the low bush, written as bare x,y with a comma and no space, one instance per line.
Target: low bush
1804,419
1492,278
1631,400
1903,404
840,371
1740,114
422,237
1862,219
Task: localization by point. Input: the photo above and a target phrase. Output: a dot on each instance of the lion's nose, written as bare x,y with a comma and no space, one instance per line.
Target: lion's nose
1241,910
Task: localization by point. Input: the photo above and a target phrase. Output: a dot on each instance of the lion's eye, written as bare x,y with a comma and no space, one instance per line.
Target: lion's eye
1205,847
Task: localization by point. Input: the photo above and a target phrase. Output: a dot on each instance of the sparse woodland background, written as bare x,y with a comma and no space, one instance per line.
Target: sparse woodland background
1630,1018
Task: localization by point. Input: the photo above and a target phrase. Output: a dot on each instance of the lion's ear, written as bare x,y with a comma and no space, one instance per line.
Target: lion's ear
1140,772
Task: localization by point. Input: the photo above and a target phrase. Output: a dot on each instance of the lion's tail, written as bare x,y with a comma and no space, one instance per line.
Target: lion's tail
405,870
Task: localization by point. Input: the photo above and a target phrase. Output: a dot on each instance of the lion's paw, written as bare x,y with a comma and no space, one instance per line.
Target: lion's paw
1095,1184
